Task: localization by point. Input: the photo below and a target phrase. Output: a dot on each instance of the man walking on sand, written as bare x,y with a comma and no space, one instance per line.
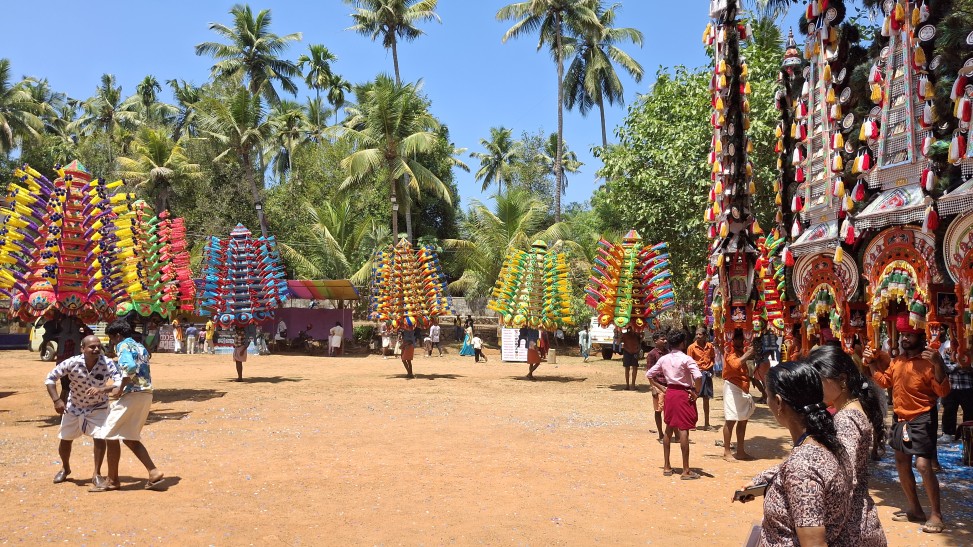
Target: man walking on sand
704,354
434,336
630,357
738,404
87,405
660,349
917,378
682,380
129,412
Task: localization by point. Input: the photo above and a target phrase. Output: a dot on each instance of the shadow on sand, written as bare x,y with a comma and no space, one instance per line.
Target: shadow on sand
559,379
176,395
264,380
166,414
426,377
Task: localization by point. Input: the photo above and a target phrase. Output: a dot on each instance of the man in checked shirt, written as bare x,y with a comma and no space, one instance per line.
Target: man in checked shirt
87,404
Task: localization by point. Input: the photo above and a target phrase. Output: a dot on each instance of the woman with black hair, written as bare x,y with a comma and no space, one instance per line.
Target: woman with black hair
860,422
808,495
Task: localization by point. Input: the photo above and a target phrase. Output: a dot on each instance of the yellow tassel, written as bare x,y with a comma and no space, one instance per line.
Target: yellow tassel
839,254
849,203
724,229
838,165
861,133
752,188
778,200
794,131
717,167
719,103
749,146
722,120
719,187
749,169
719,259
722,82
876,93
839,186
839,140
747,89
920,56
778,131
744,71
830,98
826,73
900,11
746,106
721,68
746,123
930,89
719,146
780,163
915,16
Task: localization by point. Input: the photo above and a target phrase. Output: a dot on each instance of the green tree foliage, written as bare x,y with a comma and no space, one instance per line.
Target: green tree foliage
392,20
19,111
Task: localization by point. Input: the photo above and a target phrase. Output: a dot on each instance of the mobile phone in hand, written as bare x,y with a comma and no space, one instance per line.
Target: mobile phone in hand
750,492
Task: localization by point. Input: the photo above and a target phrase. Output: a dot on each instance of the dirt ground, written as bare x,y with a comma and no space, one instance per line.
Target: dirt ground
338,451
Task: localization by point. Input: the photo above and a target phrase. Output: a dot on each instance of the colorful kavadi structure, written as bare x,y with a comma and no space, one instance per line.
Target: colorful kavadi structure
408,287
532,289
243,279
630,284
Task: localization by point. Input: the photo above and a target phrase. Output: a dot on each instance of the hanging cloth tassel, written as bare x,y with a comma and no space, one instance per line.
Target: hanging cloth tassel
866,164
826,72
724,229
922,87
958,89
932,220
923,12
799,174
927,144
839,185
788,257
874,75
837,141
797,204
839,254
849,204
928,179
798,157
916,16
898,16
837,164
963,109
919,58
848,232
876,93
796,229
834,113
927,115
859,191
712,231
856,165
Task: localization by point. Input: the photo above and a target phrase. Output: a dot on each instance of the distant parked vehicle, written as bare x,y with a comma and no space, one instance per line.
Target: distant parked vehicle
45,343
603,336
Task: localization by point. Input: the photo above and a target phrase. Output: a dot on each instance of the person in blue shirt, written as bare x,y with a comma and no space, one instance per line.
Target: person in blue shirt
128,413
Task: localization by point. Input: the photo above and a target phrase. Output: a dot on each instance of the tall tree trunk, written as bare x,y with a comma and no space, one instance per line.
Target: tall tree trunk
255,193
408,217
395,216
604,134
558,168
395,60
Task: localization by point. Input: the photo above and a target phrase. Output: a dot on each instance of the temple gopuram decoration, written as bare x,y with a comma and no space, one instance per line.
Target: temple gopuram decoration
408,287
532,290
630,284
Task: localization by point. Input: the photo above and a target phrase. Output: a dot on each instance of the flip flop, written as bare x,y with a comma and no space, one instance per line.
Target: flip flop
933,527
667,473
902,516
691,476
158,485
103,488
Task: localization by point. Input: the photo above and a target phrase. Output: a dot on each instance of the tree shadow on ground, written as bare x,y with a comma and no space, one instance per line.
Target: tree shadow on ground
560,379
264,380
195,395
165,414
426,377
47,421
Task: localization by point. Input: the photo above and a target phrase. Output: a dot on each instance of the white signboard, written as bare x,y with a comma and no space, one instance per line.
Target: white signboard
509,348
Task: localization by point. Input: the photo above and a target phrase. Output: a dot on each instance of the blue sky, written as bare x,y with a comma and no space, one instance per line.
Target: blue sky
474,80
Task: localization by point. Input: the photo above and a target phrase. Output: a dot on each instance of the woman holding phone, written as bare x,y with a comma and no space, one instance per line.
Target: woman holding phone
808,495
860,422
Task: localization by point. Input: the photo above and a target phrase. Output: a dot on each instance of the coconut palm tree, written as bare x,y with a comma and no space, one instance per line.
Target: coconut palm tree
318,75
569,160
146,102
392,20
341,244
553,19
158,166
105,111
316,115
337,87
591,79
51,107
237,125
496,164
391,126
291,129
252,54
19,112
518,219
187,96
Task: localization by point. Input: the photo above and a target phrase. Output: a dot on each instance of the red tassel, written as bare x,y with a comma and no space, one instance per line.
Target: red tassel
788,257
796,229
866,161
799,175
959,88
859,192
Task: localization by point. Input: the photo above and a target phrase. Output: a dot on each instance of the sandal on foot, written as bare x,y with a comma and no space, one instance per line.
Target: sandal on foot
667,473
158,484
691,476
933,527
61,476
902,516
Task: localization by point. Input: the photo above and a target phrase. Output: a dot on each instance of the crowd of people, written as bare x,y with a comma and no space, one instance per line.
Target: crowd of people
833,404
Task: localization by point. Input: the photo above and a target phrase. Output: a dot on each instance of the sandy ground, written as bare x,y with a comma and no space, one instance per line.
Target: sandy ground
337,451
